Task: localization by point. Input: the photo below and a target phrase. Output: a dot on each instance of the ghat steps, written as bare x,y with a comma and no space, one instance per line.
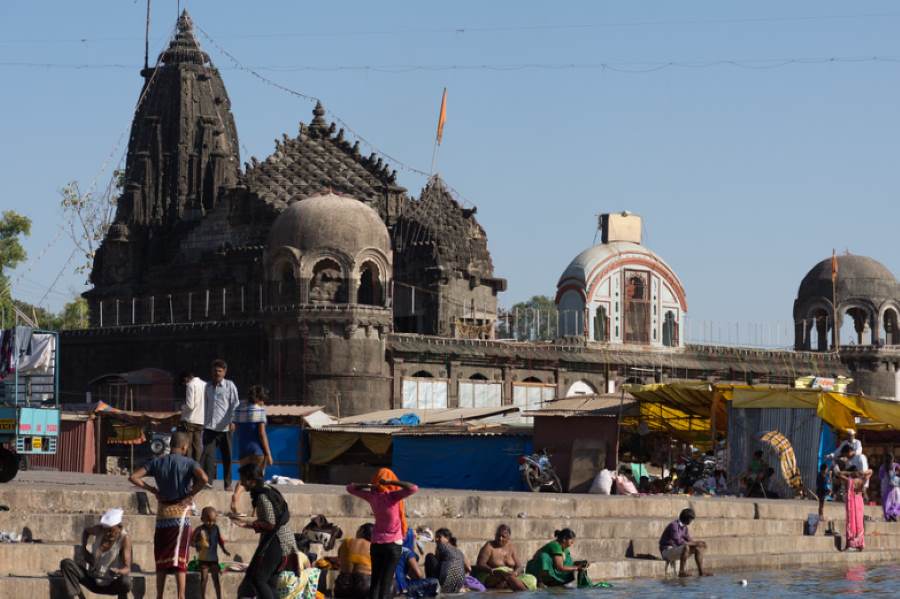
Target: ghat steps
614,533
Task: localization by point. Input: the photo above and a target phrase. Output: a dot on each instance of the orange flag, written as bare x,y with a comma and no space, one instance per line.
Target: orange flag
834,266
442,118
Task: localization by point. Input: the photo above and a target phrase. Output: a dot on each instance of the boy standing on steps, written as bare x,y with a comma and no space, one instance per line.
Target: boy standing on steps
676,544
207,539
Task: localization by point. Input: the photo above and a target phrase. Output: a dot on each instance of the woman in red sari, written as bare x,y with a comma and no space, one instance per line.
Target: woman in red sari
855,504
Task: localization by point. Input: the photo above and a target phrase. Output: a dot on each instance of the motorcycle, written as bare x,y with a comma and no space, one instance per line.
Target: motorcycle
691,470
538,473
160,444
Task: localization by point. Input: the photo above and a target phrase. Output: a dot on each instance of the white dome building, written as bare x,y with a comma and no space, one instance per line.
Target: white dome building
620,292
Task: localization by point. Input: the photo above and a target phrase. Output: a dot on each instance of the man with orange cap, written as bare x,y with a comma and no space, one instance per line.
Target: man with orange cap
385,494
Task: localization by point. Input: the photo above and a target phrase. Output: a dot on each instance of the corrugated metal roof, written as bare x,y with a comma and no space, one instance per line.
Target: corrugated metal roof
291,410
584,405
373,430
428,416
469,430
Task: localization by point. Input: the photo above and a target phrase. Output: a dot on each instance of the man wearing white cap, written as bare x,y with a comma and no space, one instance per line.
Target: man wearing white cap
851,441
107,561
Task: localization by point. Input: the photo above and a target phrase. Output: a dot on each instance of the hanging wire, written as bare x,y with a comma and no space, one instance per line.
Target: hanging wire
110,186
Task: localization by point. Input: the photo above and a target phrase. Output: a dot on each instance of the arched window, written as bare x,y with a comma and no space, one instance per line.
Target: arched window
820,322
422,374
370,291
670,330
286,273
532,379
327,285
478,377
891,333
856,327
601,324
637,307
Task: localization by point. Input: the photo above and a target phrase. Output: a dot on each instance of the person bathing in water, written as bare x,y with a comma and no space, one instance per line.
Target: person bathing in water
498,566
553,565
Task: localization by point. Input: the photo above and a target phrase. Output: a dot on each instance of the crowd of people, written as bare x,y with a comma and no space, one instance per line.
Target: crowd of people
386,557
845,476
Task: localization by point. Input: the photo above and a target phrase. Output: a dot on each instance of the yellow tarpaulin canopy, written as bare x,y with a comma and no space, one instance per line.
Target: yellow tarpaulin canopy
839,410
683,409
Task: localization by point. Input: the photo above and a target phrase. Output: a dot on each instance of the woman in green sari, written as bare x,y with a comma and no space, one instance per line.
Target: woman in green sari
552,565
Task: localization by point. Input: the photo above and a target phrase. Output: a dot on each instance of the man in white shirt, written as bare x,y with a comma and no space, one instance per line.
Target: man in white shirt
220,403
193,413
852,442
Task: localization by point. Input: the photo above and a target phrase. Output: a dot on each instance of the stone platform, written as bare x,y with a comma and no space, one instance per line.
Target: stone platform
617,534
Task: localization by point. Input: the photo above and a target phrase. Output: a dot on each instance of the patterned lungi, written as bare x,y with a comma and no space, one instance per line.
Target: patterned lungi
172,539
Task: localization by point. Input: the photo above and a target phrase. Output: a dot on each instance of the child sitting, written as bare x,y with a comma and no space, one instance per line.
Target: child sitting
207,539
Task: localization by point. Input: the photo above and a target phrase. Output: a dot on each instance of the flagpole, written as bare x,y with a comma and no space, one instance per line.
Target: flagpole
442,118
434,153
834,325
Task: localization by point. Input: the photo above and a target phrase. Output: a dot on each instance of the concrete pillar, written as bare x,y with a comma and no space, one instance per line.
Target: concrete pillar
397,374
559,379
507,385
453,383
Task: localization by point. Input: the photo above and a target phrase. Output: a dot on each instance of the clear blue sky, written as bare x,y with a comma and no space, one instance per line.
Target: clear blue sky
745,177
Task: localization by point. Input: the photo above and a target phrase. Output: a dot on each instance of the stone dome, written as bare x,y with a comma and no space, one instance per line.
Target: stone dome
329,221
858,276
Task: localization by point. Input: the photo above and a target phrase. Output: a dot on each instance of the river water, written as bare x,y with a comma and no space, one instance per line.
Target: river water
869,581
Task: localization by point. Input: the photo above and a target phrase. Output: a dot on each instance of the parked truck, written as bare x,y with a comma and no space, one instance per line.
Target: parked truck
29,399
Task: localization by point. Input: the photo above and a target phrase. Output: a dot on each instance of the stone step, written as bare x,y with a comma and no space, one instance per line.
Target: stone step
31,559
67,527
642,568
38,587
35,559
334,502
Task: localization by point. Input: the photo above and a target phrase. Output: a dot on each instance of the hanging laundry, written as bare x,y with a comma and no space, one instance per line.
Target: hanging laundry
40,357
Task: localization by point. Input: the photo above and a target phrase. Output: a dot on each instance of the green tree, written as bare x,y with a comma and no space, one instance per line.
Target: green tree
13,226
74,315
533,319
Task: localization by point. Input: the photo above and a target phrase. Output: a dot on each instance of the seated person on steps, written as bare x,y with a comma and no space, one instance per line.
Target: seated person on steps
676,544
107,562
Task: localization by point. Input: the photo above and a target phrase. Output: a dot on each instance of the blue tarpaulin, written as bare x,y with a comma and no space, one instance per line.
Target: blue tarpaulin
484,463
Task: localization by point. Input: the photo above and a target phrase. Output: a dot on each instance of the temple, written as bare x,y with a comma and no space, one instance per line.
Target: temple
315,273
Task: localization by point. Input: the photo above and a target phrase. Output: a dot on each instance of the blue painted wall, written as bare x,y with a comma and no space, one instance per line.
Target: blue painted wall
455,462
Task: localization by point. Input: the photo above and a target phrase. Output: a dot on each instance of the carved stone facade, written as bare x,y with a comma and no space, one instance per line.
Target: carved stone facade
314,273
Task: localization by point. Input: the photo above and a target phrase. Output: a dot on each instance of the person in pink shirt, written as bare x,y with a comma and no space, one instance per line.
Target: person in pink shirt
385,494
625,482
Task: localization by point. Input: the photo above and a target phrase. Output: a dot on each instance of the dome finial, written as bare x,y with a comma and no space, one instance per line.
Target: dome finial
185,24
318,123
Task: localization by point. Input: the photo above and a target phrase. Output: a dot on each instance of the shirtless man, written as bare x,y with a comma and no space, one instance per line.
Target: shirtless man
498,566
